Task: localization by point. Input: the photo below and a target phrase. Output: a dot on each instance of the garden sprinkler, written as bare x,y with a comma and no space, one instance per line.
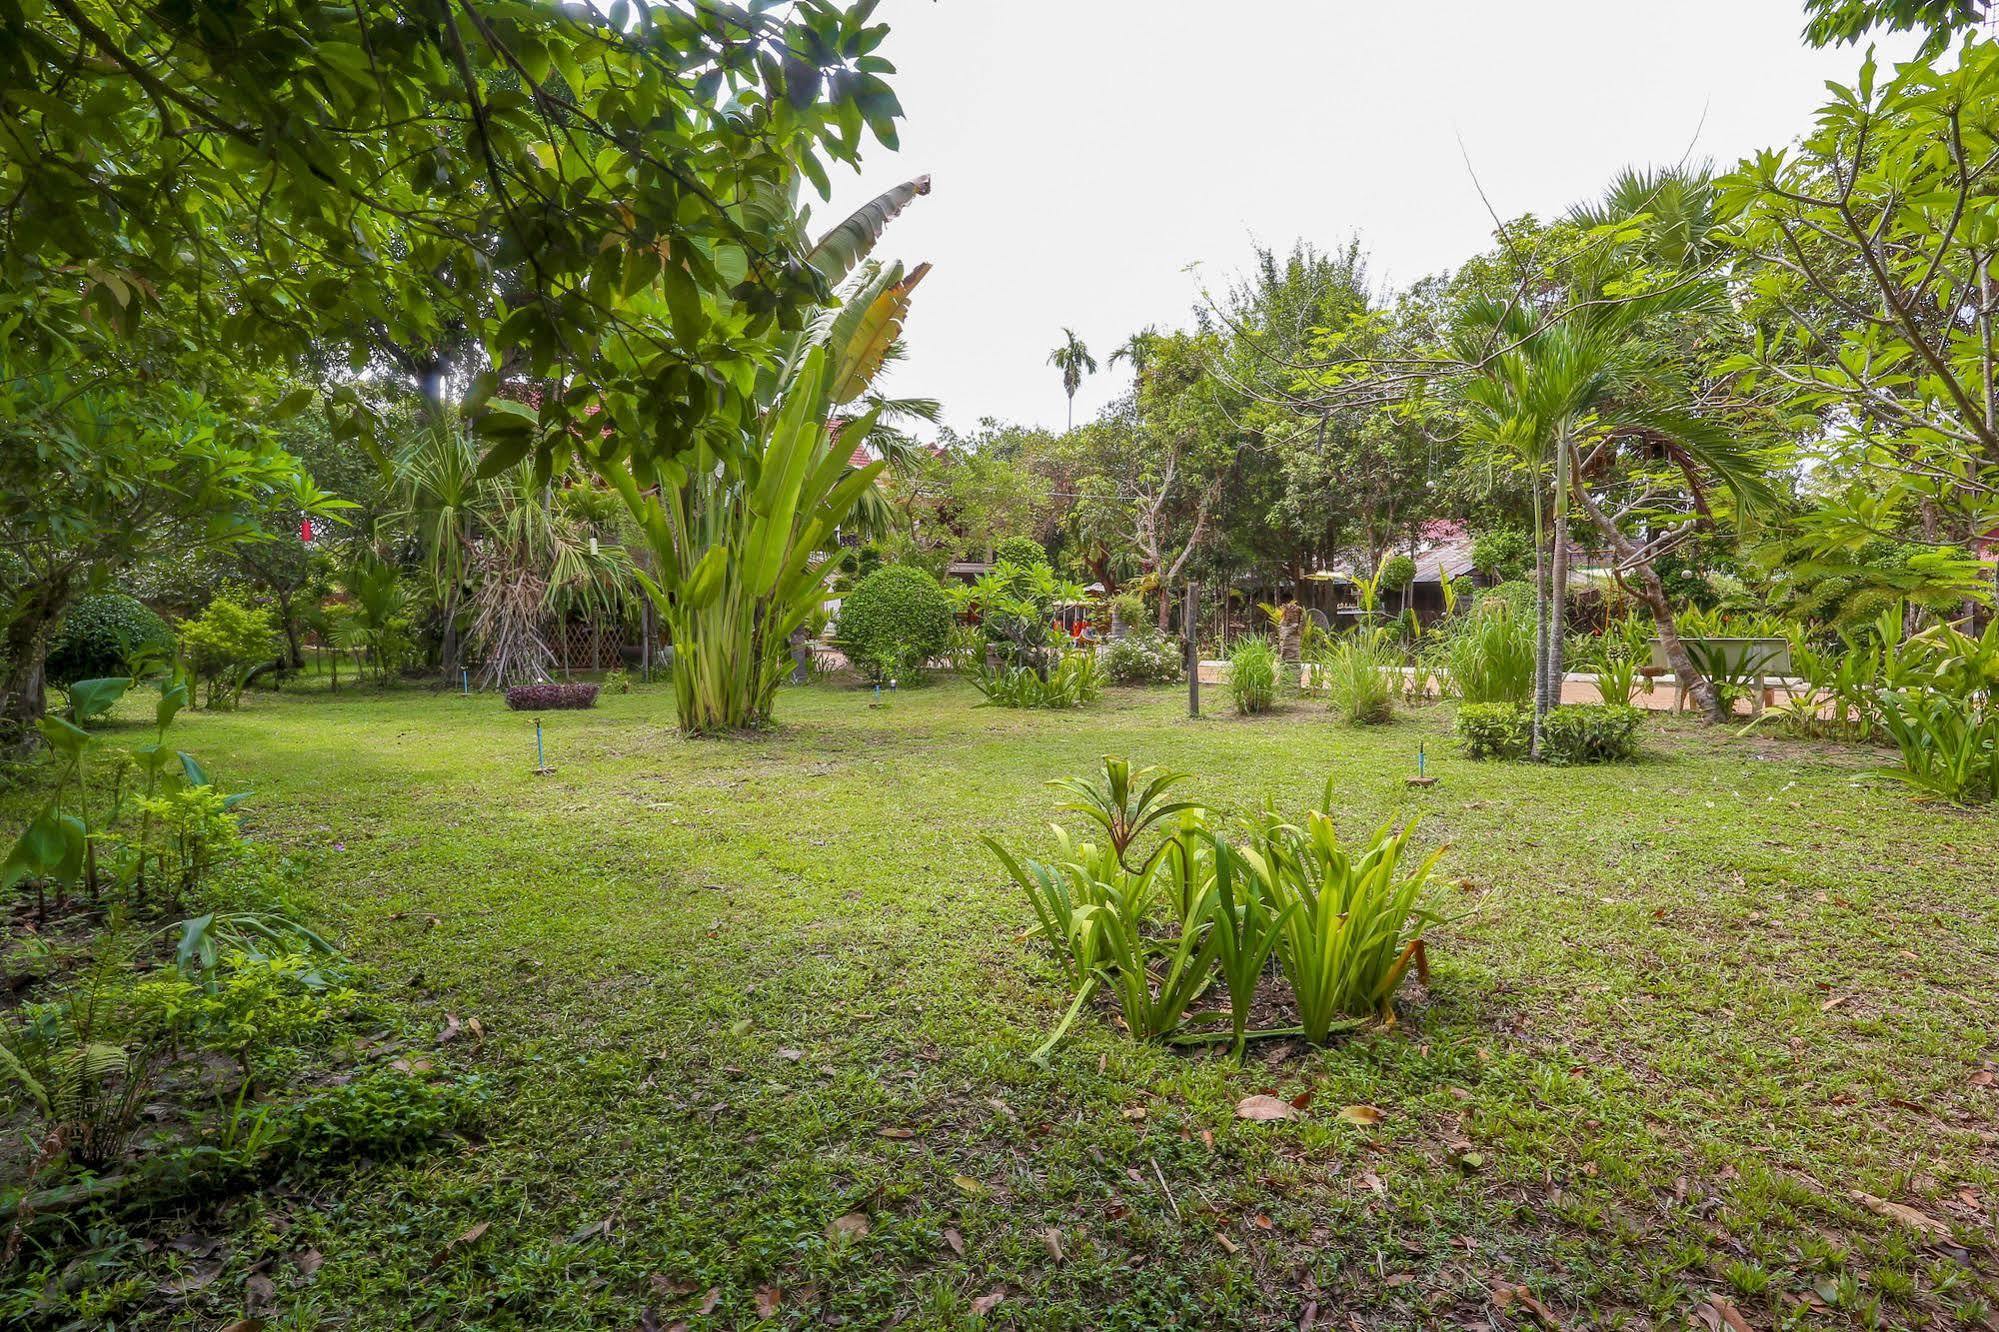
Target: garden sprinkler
541,768
1422,777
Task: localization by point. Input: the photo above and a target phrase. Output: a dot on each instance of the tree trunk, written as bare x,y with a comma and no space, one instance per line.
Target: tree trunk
1558,579
25,647
1540,622
294,648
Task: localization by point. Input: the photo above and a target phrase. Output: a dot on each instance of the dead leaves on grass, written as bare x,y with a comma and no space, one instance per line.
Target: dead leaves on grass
1505,1295
1912,1217
1719,1315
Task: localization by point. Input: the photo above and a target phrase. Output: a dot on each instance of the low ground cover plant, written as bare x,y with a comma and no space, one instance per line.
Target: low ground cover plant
168,952
1209,924
552,697
1077,678
1571,735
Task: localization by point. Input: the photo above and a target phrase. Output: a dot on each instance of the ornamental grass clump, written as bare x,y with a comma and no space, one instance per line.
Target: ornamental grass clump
1253,675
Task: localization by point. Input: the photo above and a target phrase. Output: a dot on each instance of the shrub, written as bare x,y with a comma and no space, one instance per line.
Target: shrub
895,620
1359,673
224,643
101,635
1949,746
616,682
1505,552
1519,599
1578,733
1143,658
1253,675
1495,730
551,697
1021,550
1490,656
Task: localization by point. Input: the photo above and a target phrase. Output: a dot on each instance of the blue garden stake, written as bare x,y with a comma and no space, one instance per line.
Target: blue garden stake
1421,757
537,746
465,682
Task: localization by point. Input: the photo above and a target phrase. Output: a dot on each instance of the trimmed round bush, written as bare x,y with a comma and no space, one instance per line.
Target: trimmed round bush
1397,572
894,620
100,634
1578,733
1024,551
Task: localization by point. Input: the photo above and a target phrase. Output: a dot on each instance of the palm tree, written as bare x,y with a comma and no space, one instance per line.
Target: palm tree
1545,384
1073,359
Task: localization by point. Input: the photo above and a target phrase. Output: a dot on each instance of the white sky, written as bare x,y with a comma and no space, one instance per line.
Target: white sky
1086,153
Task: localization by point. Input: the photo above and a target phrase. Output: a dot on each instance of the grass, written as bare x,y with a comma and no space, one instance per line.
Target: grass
735,990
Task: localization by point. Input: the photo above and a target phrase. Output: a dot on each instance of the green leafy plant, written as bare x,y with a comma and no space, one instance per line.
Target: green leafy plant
1618,681
1252,677
893,622
92,700
1345,927
1022,551
1124,803
1494,730
1580,733
1949,746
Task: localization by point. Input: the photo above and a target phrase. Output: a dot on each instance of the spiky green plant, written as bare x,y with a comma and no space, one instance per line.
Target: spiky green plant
1354,922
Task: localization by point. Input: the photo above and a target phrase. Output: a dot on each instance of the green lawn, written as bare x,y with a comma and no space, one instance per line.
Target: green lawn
735,990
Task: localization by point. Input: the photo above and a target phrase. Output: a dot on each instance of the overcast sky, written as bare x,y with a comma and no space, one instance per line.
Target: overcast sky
1096,162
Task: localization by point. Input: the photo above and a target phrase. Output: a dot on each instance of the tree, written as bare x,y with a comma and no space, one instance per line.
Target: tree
92,479
1869,270
601,199
1841,21
1073,359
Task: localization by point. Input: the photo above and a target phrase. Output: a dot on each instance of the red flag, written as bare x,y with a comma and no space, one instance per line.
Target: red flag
305,530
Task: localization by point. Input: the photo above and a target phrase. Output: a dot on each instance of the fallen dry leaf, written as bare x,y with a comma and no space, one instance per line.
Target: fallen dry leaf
968,1184
471,1236
1051,1239
986,1303
769,1300
308,1261
852,1226
899,1134
1360,1114
1226,1242
1984,1077
710,1300
450,1032
1505,1295
1264,1108
1907,1215
1134,1112
955,1240
1727,1316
